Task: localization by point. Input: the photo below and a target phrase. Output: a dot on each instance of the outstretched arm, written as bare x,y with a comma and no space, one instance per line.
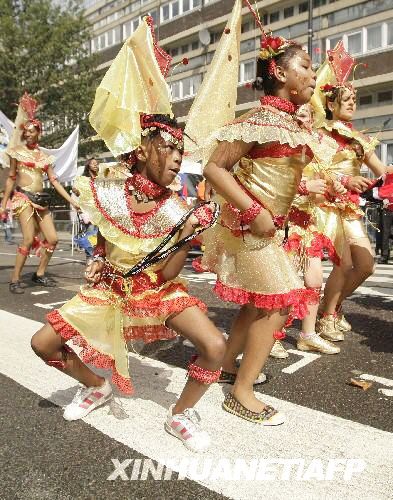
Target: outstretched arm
375,164
59,188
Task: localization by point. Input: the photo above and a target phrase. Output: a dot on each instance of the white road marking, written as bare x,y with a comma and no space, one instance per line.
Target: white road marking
308,434
379,380
51,305
308,357
54,257
386,392
42,292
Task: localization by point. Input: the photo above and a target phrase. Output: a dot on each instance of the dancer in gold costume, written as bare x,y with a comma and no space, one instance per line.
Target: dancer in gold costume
341,217
245,248
28,166
136,215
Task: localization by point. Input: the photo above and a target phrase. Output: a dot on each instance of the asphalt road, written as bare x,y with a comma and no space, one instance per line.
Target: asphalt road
45,457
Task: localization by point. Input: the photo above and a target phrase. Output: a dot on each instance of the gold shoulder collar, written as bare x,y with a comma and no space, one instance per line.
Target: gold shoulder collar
22,153
367,142
107,204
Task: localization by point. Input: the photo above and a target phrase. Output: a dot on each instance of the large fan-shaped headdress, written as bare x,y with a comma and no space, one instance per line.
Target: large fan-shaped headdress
132,91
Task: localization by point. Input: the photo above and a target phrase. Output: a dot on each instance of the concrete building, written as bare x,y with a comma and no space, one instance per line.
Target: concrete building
192,28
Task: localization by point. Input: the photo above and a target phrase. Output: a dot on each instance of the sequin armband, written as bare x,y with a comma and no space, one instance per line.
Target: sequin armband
302,188
344,179
99,251
247,216
204,215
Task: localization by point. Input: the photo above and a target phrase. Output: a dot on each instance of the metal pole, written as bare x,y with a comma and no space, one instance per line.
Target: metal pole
310,28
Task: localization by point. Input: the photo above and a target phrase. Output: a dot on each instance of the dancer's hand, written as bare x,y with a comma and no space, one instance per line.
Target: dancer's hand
263,225
316,186
336,188
359,184
93,273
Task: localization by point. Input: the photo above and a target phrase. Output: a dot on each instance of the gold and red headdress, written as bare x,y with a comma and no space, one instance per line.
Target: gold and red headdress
30,106
271,46
149,123
331,76
25,118
132,92
341,63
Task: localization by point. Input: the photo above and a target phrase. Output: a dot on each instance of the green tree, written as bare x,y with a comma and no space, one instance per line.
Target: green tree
44,50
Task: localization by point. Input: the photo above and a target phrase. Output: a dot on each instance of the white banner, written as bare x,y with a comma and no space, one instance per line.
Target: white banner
66,156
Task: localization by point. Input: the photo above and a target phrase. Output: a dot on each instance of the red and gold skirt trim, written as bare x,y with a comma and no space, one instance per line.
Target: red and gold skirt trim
318,245
89,354
296,300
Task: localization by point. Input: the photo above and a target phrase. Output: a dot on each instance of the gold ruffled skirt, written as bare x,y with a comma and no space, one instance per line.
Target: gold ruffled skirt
102,322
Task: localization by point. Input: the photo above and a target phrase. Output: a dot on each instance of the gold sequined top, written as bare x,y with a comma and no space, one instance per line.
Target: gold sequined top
31,164
273,168
129,236
352,146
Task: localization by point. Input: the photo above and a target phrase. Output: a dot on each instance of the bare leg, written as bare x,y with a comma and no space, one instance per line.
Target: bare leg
313,278
28,228
48,230
237,338
196,327
336,282
363,266
48,345
259,343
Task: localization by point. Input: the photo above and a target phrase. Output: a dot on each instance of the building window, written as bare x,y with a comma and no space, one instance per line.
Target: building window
288,12
385,96
246,27
176,8
195,45
389,153
365,100
187,87
303,7
368,39
274,17
390,33
374,37
247,71
355,43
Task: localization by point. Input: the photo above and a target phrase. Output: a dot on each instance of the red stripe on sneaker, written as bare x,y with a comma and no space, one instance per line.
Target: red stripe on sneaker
97,395
89,401
183,431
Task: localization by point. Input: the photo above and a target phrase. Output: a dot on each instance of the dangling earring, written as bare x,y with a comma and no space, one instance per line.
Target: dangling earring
293,92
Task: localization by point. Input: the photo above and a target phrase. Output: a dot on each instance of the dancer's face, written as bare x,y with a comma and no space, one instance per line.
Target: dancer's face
345,108
93,167
163,160
30,134
300,78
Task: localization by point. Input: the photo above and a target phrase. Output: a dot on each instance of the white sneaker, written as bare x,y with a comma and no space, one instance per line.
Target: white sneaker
278,351
186,427
87,399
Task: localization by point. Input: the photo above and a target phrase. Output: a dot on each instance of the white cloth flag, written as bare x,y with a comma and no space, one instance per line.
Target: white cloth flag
66,156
